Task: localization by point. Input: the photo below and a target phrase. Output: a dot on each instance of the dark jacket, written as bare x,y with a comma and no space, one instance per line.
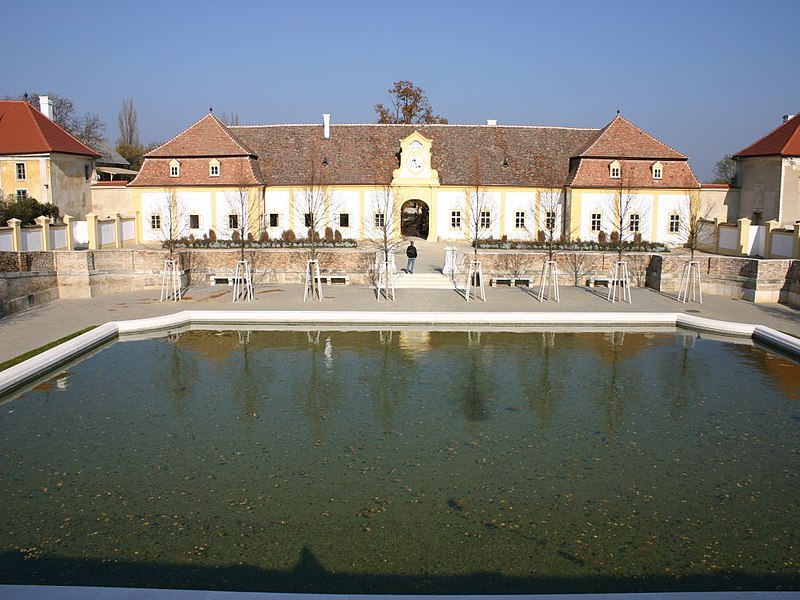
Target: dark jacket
411,252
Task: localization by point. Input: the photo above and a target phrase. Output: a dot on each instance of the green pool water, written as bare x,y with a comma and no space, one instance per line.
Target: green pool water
407,462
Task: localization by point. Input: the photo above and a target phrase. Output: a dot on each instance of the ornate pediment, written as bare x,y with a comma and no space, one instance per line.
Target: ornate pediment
415,162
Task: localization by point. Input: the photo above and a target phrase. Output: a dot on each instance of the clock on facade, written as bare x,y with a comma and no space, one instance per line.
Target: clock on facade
415,164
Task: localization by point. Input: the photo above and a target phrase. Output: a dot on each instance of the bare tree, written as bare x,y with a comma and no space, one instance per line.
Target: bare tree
88,128
384,233
245,214
128,125
694,222
626,215
231,118
550,218
314,200
481,208
169,220
579,265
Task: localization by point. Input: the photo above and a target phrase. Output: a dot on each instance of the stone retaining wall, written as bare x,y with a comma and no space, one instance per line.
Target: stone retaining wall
30,278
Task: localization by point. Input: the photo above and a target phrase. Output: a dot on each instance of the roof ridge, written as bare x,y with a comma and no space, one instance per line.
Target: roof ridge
619,118
416,125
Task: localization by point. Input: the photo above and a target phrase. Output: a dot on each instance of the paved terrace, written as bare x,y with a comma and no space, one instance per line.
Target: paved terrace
26,331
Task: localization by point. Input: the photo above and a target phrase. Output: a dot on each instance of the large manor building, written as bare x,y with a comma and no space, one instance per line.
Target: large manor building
528,179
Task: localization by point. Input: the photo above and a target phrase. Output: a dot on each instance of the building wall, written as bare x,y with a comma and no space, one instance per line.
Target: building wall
36,176
109,200
721,203
790,205
760,184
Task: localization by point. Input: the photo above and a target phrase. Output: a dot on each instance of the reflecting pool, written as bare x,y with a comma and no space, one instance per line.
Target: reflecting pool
407,461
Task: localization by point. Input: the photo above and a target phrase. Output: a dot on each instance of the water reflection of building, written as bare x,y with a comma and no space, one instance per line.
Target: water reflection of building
414,342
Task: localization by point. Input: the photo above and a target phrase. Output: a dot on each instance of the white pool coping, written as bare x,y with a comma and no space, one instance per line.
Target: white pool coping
17,376
46,592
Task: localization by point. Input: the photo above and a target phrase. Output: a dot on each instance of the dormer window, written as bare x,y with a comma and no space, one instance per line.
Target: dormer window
615,170
174,168
213,167
657,170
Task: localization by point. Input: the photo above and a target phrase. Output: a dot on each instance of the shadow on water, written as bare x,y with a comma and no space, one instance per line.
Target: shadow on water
309,576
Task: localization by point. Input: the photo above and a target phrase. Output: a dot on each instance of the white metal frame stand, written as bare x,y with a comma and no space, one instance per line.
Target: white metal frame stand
170,281
386,280
620,280
475,278
450,267
313,280
690,283
243,282
549,282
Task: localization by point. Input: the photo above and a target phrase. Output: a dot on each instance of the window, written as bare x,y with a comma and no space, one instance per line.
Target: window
519,219
174,168
213,167
233,221
380,220
657,169
194,221
307,219
344,220
633,222
155,221
597,220
273,219
21,174
615,169
485,219
22,194
550,220
455,219
86,172
674,223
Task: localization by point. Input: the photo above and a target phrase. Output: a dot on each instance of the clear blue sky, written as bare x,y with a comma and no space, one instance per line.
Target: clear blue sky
707,78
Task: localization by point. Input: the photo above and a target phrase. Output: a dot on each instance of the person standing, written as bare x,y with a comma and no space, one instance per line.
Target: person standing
411,254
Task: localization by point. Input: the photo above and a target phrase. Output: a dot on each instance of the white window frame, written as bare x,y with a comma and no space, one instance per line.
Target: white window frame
615,170
674,223
485,219
233,221
21,193
213,168
596,222
550,220
21,166
657,170
455,219
519,219
155,222
379,219
634,223
174,168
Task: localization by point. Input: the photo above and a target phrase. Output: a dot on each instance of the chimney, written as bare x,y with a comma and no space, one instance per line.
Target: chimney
491,122
787,117
326,126
46,107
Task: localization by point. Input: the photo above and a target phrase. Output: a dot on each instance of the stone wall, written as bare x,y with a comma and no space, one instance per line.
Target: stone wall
30,278
754,280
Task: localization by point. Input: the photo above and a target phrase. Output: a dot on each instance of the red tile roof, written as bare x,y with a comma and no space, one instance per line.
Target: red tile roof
24,130
781,141
208,137
622,139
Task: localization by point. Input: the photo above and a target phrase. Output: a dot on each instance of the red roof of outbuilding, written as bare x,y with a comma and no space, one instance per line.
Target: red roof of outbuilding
781,141
24,130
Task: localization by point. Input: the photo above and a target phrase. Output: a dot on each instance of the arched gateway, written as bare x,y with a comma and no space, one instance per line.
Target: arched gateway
414,216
